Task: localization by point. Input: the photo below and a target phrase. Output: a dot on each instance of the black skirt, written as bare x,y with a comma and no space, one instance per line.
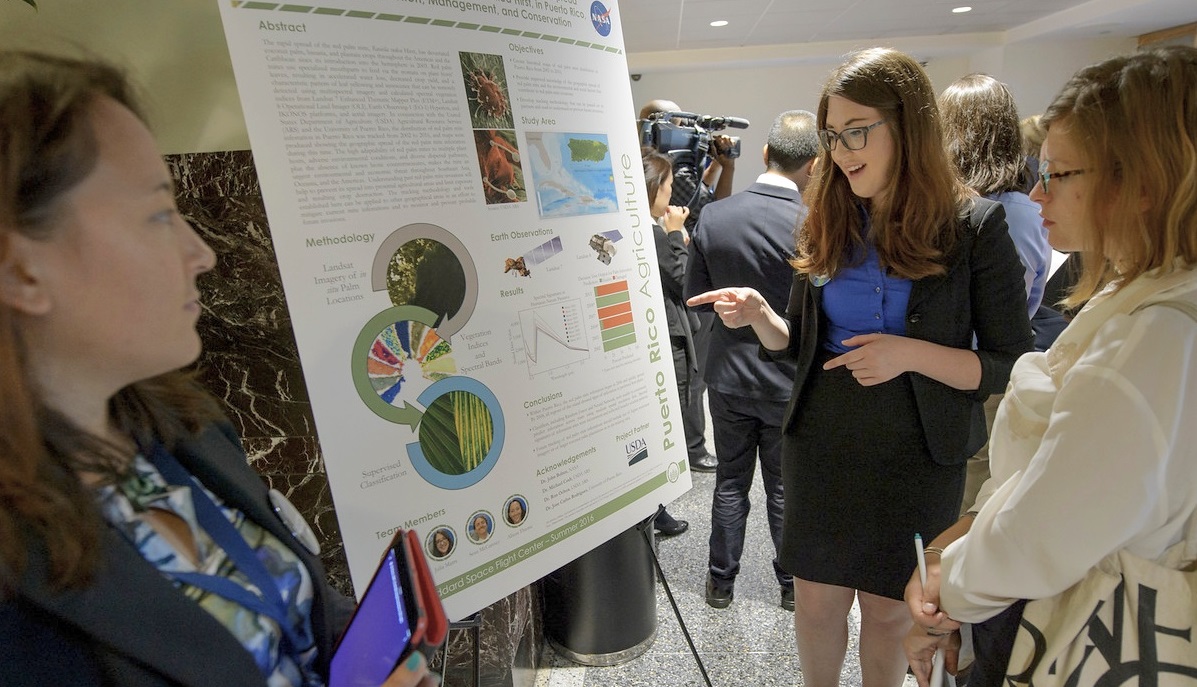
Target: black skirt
860,483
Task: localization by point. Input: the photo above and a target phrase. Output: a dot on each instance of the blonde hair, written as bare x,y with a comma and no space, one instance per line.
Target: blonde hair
912,229
1135,120
1033,134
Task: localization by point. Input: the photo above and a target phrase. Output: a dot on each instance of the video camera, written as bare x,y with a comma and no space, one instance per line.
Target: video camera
686,137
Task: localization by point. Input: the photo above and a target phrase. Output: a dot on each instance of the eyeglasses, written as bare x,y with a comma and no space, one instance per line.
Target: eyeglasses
1046,176
853,138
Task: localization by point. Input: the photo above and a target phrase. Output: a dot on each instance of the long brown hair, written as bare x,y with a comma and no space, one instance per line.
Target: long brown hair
914,219
1134,118
981,132
47,147
657,168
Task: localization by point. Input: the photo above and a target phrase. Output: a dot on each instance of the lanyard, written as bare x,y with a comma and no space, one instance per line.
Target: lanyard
222,532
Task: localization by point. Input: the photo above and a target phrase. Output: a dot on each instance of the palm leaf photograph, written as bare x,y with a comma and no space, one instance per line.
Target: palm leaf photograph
456,432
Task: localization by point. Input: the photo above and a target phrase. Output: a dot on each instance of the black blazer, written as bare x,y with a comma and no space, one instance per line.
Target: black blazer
746,239
131,627
673,259
981,293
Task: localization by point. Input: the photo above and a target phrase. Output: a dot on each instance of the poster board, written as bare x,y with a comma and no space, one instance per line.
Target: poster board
457,205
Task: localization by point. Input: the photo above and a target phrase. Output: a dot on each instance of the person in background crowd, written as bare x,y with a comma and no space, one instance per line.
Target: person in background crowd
697,182
672,239
1032,140
981,132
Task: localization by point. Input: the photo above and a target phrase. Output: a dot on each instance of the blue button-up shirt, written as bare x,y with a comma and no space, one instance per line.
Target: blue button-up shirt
863,299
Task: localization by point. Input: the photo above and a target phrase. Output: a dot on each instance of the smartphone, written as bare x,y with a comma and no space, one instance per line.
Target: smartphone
400,612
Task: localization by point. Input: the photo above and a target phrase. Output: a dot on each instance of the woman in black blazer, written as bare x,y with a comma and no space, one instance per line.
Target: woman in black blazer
672,240
136,545
907,311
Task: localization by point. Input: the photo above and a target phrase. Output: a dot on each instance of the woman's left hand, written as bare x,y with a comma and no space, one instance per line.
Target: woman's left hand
922,600
920,650
875,358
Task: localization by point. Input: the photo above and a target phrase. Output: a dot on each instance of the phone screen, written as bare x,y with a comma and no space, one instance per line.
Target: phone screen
378,634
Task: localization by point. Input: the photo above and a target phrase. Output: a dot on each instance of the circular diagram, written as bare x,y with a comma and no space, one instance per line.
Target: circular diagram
424,265
460,433
397,348
406,352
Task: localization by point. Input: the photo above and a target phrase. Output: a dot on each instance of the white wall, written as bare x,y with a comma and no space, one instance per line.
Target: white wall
1035,72
177,52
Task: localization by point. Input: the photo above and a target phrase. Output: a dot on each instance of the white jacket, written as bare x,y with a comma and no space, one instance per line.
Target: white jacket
1094,450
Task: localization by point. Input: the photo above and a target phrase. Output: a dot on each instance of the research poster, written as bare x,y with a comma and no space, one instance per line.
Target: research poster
457,204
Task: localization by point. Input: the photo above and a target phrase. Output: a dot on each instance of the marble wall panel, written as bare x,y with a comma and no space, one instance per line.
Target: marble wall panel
251,362
250,359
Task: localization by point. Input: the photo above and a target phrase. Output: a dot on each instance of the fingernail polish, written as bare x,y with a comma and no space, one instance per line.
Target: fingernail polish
413,662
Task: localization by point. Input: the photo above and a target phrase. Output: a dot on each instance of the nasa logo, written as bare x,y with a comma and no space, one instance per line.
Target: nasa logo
600,16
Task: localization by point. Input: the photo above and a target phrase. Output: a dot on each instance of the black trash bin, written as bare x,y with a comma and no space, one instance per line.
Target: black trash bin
601,609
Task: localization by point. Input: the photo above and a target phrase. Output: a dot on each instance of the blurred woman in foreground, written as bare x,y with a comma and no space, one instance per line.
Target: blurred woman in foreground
137,547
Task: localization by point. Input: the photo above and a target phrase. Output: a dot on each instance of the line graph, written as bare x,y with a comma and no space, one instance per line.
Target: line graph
553,336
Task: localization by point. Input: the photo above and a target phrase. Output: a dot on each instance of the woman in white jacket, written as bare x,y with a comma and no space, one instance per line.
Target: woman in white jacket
1094,449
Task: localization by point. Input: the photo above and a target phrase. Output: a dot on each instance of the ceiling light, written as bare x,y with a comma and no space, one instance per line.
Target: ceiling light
961,10
719,22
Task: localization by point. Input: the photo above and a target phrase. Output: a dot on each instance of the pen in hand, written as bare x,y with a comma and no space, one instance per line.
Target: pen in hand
922,558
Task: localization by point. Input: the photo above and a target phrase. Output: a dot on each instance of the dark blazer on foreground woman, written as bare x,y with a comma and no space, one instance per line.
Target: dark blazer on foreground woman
982,292
131,627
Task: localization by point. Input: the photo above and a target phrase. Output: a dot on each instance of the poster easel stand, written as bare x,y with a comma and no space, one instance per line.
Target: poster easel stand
652,549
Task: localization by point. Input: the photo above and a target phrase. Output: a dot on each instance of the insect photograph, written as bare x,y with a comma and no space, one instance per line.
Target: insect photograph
486,90
499,164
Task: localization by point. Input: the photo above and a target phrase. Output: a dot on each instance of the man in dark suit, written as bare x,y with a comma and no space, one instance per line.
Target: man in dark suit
746,240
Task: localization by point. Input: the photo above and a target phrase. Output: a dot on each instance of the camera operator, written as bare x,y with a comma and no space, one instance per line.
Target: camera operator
722,168
695,182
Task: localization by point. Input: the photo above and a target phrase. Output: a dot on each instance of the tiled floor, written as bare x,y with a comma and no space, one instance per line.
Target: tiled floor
749,643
